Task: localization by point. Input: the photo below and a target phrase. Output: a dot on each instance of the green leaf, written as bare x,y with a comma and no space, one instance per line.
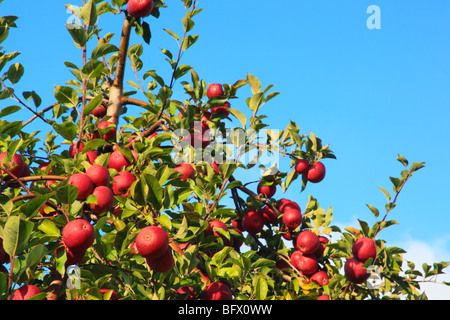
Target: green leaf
68,130
388,196
93,69
33,95
15,72
403,160
9,110
78,34
374,210
94,103
172,34
66,95
188,24
89,13
239,115
67,194
189,41
103,49
49,228
31,207
35,255
254,83
261,287
16,234
181,71
255,101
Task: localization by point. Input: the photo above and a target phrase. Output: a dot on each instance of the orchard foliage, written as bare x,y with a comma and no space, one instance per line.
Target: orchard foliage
201,212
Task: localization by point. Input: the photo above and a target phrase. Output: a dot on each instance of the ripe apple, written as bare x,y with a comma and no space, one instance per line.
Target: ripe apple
16,166
222,111
217,224
215,90
140,8
121,183
113,294
83,183
215,166
285,203
74,146
270,217
73,257
323,241
152,242
4,257
301,166
118,161
188,291
364,248
307,264
91,156
237,223
355,272
292,218
78,235
253,222
217,291
268,190
320,277
108,135
163,263
99,112
26,292
99,175
197,140
323,297
186,170
307,242
105,200
316,172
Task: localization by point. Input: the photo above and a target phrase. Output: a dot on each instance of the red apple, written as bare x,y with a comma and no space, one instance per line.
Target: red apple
152,242
197,140
222,111
26,292
268,190
323,297
215,166
188,291
217,291
163,263
285,203
215,90
78,235
73,257
253,222
91,156
140,8
320,277
83,183
301,166
99,175
105,200
316,172
217,224
108,135
74,146
121,183
16,166
4,257
307,242
306,263
113,294
186,170
323,241
270,217
99,112
118,161
292,218
355,272
364,248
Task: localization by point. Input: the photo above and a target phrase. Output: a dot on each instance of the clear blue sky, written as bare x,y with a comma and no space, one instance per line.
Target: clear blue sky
370,94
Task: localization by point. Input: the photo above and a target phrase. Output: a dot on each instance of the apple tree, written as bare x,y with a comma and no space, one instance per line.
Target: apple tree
158,205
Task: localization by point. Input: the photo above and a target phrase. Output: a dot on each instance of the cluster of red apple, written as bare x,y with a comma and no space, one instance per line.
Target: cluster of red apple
314,172
363,249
